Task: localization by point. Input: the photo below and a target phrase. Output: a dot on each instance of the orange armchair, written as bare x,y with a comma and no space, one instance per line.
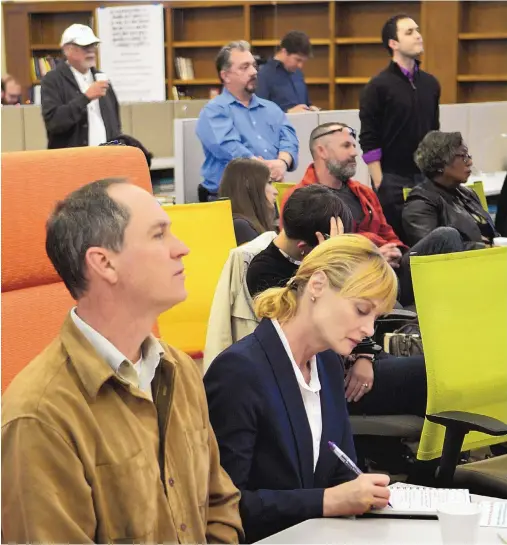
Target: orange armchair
34,299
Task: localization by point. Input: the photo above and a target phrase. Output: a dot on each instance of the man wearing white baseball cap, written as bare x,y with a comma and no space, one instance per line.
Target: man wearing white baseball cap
79,105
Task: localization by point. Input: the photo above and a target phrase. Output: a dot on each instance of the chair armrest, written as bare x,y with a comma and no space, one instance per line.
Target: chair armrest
399,313
466,422
457,424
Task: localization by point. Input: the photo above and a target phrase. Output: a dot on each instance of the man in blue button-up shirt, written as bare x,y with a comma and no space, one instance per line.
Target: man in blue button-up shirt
237,123
281,79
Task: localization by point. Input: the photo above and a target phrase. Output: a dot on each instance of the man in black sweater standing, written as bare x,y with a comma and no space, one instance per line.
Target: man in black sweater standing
397,108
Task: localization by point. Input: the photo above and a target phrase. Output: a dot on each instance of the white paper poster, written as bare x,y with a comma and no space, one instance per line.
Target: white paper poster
132,51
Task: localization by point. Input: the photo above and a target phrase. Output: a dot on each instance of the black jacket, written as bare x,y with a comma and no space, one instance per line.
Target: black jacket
64,109
396,115
259,418
430,205
501,214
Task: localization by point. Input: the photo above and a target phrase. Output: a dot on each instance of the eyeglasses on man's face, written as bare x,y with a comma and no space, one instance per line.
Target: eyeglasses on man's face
352,132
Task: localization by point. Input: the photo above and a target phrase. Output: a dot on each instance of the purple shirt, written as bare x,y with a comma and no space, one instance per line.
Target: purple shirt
376,154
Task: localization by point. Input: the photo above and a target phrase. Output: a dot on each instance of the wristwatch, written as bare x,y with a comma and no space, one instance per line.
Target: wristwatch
354,357
281,159
350,360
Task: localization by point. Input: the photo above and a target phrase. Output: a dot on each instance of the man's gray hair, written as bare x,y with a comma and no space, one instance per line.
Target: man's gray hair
436,150
223,60
87,217
320,130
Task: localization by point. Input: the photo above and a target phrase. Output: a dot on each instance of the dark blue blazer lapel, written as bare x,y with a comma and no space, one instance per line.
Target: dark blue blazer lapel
291,394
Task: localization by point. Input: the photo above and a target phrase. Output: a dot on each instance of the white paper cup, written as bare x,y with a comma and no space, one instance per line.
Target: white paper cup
100,76
500,241
459,523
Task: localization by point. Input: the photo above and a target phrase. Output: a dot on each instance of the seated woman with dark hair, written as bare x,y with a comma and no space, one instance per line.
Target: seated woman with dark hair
246,182
442,200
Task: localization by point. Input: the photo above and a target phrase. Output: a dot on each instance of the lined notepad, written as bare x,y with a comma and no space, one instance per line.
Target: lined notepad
422,500
411,500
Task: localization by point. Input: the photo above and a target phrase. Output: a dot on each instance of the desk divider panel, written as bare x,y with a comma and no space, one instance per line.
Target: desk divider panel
455,117
13,132
188,157
187,109
126,118
35,131
487,138
152,125
304,123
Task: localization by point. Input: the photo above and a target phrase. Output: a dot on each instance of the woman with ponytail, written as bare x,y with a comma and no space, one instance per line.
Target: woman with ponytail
277,396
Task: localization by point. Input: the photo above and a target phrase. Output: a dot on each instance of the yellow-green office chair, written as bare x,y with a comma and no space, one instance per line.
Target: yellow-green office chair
461,303
281,187
478,187
207,229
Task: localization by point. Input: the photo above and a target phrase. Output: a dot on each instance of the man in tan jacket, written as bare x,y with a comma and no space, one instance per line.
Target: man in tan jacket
105,435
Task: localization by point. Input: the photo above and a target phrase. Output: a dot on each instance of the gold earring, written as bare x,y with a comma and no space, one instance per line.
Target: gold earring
313,299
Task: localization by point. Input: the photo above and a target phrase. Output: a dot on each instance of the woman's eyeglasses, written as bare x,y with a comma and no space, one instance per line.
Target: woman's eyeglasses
465,156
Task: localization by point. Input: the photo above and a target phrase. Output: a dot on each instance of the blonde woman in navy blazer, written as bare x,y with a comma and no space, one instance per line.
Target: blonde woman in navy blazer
277,396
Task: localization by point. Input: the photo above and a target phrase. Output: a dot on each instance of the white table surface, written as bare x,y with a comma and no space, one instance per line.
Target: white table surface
375,531
493,181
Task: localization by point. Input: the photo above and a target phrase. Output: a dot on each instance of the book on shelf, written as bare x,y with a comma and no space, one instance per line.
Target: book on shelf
40,66
184,68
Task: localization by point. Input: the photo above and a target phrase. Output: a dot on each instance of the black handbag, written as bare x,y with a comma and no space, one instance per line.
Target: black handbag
399,334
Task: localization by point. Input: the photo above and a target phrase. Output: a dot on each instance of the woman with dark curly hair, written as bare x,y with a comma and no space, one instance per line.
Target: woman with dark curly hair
442,200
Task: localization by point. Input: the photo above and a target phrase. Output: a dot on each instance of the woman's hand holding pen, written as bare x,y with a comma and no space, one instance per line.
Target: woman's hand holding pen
368,491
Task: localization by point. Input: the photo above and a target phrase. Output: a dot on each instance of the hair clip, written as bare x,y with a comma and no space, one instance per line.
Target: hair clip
292,284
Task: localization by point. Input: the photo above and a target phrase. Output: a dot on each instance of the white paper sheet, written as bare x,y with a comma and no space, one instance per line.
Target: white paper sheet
132,51
494,514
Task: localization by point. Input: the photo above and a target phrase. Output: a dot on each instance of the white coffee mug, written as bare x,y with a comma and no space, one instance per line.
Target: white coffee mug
459,523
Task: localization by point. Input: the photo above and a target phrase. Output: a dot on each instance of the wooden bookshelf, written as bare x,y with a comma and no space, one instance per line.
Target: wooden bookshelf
359,53
482,36
482,77
45,47
201,81
358,40
482,51
465,42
